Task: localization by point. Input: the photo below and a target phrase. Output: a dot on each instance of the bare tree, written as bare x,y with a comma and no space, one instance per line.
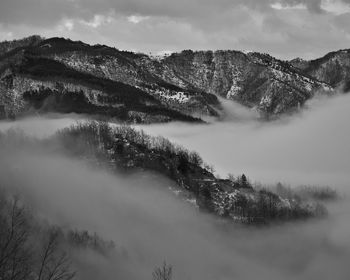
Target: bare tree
20,257
164,272
54,265
14,254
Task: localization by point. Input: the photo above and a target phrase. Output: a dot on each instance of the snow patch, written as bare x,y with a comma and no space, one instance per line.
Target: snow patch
179,96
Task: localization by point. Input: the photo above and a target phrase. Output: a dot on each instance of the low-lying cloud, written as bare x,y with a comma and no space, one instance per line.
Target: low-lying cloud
151,224
309,148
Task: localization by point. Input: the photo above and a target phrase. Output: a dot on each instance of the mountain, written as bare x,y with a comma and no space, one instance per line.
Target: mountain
256,80
333,68
61,75
8,46
35,77
253,79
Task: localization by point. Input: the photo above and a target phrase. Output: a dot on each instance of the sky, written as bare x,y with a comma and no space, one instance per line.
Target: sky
283,28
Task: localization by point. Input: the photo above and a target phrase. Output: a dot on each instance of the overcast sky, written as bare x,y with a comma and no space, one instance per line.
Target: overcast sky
284,28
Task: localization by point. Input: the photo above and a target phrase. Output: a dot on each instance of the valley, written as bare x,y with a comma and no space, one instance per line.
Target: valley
220,163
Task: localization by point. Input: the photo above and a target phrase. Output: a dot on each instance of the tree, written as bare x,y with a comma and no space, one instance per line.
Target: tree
14,230
165,272
196,159
54,264
231,177
183,163
30,250
209,168
243,181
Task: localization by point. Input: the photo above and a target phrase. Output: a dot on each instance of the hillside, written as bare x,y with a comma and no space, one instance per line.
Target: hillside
33,77
123,148
333,68
61,75
256,80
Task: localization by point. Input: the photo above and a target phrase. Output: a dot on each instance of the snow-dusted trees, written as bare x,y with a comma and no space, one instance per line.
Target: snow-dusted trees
53,264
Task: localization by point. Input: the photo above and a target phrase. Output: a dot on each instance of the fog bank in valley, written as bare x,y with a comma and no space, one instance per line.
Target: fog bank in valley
41,126
311,147
150,224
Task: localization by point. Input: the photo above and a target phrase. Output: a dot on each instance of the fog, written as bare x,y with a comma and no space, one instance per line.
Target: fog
41,126
312,147
150,224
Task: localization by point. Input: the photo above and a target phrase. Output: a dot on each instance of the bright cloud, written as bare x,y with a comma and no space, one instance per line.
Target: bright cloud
98,20
280,6
137,18
66,25
336,7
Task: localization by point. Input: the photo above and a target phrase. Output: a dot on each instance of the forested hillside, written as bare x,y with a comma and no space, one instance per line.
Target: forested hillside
60,75
233,198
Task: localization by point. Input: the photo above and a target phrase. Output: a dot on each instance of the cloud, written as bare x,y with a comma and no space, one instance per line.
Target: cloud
6,35
311,5
66,24
151,224
335,7
311,148
98,20
280,6
285,28
316,6
136,18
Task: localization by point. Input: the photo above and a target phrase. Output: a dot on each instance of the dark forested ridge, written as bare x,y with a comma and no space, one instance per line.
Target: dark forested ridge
125,149
33,77
141,88
233,198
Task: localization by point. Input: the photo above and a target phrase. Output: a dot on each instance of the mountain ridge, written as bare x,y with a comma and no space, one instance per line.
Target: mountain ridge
185,85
